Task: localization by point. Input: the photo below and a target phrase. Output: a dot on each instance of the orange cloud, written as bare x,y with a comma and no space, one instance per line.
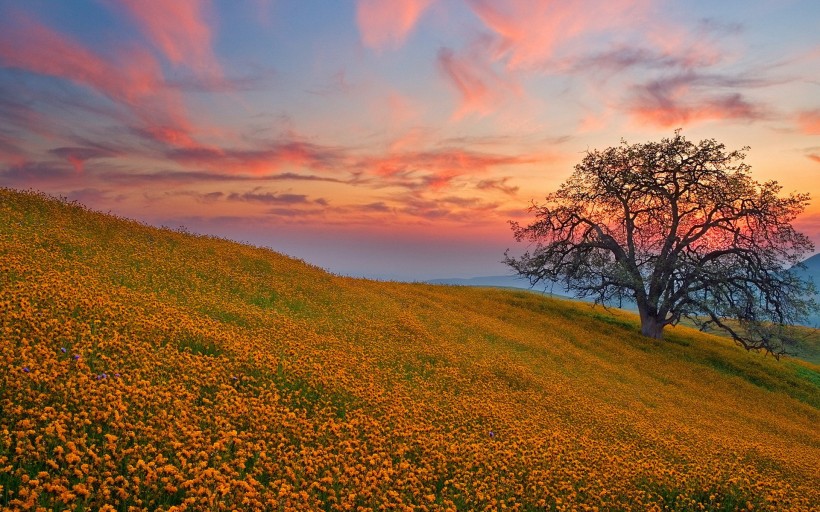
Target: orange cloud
133,78
809,122
259,160
387,24
814,157
178,29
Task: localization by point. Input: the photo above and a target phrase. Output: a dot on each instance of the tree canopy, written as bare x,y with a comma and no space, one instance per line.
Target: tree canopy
681,229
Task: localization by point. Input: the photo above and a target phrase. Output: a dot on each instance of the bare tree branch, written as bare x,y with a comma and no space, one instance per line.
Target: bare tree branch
682,229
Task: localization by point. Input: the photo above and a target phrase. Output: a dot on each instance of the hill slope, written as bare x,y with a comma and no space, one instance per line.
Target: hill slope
148,368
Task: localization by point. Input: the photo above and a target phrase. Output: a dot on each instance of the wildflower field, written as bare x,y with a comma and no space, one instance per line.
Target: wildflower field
148,369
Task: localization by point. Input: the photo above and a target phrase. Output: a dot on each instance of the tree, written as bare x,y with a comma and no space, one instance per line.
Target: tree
684,231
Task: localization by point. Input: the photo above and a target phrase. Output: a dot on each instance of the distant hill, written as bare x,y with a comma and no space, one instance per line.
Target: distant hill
813,264
811,269
149,369
812,272
507,281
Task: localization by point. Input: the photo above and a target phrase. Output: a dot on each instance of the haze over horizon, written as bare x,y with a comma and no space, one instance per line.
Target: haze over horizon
388,139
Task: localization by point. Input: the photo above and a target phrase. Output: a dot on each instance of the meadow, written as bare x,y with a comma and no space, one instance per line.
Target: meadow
151,369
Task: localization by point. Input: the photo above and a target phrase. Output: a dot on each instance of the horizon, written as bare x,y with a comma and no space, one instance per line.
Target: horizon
388,140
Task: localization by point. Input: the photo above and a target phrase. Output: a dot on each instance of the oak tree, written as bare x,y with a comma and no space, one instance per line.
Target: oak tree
682,230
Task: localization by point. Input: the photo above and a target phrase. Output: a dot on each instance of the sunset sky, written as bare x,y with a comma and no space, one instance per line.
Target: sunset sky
388,138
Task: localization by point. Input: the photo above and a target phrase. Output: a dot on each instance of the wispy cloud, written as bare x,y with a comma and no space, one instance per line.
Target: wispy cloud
682,99
500,184
131,77
29,174
11,151
435,169
532,32
256,196
482,90
253,80
178,29
809,122
77,156
262,160
170,178
387,24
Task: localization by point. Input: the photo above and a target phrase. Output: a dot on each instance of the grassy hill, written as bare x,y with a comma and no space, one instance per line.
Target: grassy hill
153,369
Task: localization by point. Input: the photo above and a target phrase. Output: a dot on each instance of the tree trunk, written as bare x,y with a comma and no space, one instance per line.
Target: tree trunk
651,327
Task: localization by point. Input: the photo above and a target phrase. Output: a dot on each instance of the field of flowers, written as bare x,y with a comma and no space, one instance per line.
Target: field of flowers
147,369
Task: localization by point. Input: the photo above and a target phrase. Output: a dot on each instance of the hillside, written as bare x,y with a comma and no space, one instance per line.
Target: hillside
154,369
811,272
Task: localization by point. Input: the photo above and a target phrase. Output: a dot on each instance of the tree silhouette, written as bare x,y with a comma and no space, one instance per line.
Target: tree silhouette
684,231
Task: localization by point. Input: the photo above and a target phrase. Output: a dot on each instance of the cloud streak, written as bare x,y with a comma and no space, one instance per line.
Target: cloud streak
529,33
132,78
680,100
387,24
808,122
178,29
272,198
77,156
262,160
481,89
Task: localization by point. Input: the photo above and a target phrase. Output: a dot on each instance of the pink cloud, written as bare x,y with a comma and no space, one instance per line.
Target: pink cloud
178,29
29,45
531,32
132,77
814,157
481,88
387,24
809,224
78,156
11,152
809,122
435,169
258,160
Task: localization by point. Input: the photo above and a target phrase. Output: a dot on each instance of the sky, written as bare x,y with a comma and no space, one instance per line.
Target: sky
391,139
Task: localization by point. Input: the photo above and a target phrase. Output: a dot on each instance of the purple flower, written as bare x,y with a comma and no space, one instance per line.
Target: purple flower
62,349
25,369
76,356
117,374
492,434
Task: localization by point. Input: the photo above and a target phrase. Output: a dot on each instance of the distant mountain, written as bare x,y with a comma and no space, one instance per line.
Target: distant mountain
812,272
502,282
499,281
812,268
